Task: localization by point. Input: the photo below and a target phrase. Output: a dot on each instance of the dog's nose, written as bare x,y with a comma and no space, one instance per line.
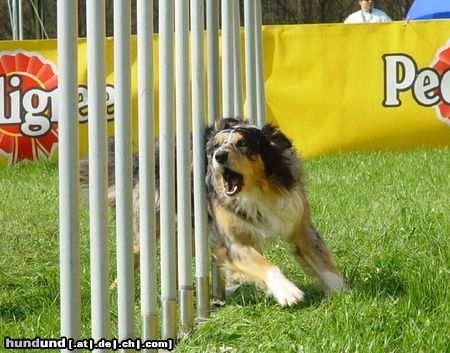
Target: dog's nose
221,156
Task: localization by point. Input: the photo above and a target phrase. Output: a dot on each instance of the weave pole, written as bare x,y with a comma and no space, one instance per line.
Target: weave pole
227,58
69,229
124,179
184,212
250,59
212,35
171,18
259,81
17,19
167,169
237,67
212,49
198,141
147,217
98,185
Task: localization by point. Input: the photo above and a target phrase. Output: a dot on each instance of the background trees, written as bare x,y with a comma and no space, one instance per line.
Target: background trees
274,12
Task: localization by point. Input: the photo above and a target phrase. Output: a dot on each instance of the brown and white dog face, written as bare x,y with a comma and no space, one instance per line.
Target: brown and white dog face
242,157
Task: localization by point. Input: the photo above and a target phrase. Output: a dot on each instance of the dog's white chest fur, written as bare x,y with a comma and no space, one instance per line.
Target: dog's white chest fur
266,219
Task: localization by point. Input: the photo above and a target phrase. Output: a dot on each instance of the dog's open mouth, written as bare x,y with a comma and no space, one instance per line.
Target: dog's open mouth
232,182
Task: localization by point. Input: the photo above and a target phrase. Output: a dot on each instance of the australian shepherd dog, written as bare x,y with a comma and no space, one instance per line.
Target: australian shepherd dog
255,193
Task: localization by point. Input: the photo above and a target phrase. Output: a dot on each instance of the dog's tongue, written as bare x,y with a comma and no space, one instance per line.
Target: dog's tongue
233,182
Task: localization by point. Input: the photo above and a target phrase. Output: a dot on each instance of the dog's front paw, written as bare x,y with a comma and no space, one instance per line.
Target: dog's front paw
284,291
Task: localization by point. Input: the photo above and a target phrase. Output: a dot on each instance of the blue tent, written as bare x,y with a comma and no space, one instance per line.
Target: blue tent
429,9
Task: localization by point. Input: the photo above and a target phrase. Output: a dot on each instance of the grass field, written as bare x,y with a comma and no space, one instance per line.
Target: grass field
386,218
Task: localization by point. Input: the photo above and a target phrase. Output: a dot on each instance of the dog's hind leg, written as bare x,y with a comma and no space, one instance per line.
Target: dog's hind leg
250,265
136,240
315,258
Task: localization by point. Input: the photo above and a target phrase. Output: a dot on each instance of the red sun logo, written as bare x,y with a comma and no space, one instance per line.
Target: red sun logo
441,65
28,111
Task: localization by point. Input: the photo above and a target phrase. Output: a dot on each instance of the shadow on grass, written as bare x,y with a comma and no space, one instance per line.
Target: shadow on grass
378,282
373,282
247,295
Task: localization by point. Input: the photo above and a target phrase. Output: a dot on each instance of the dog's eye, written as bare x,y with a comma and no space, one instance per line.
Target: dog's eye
216,145
241,143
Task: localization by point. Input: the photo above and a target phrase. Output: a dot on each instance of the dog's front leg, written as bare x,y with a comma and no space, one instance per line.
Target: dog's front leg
315,258
250,264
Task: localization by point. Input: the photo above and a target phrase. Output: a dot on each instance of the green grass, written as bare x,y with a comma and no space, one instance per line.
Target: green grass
386,218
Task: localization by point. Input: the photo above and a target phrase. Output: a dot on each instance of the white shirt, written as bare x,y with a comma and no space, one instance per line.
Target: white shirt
374,16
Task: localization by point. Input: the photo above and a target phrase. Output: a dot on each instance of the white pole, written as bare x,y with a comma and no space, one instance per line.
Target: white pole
227,59
260,96
20,19
68,171
15,20
250,60
98,175
198,132
124,207
238,105
212,26
186,298
147,224
167,168
212,47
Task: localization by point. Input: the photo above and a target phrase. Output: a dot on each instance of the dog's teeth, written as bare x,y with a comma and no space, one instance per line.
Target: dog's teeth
232,191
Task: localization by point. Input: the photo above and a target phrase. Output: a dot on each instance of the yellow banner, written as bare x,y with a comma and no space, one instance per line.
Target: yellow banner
29,101
332,88
368,87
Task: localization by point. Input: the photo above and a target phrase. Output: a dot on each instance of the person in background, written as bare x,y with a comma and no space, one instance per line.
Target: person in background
367,14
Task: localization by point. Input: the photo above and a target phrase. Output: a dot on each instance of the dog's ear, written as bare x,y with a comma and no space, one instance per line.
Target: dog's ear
226,123
209,133
276,137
